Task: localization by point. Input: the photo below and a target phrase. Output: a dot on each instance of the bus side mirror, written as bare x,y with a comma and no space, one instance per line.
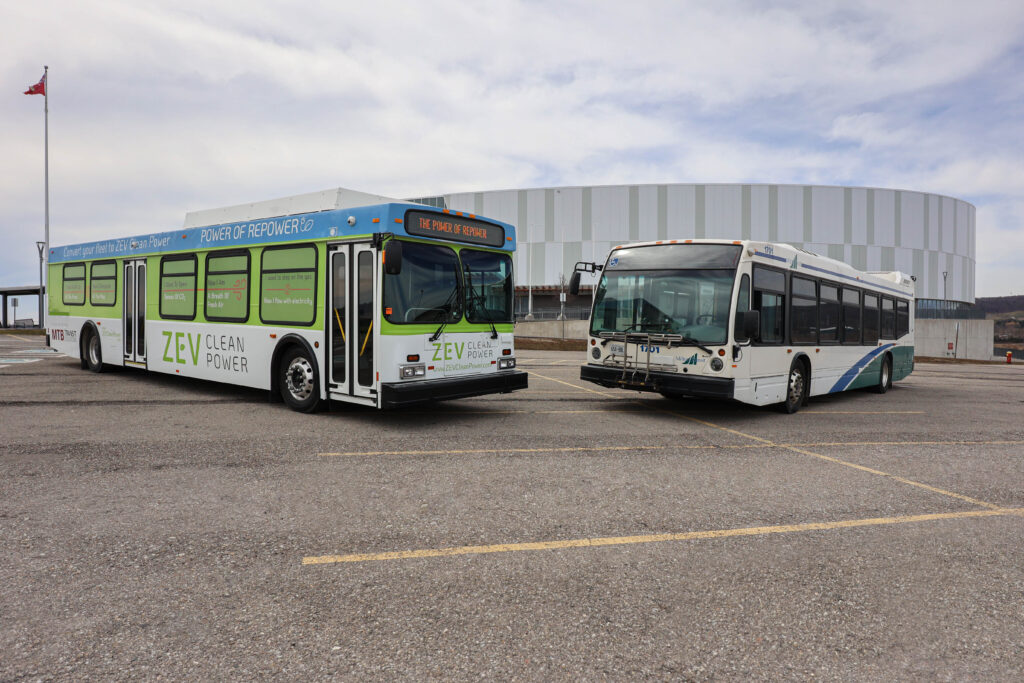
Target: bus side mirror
393,257
748,326
574,283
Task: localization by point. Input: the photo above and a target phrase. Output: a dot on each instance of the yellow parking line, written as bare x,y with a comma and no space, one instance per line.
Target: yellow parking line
861,412
573,449
574,386
902,443
652,538
837,461
526,412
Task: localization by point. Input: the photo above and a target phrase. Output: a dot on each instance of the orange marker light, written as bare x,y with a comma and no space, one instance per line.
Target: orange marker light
412,357
398,220
376,220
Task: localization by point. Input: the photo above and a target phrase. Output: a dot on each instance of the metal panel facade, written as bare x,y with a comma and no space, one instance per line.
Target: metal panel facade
871,228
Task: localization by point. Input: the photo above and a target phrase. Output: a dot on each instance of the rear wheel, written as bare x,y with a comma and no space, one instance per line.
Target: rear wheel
796,387
885,376
300,387
93,352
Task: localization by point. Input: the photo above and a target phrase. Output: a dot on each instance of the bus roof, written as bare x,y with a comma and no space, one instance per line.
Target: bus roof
779,254
314,216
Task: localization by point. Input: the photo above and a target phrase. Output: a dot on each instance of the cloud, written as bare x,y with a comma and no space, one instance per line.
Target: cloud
158,108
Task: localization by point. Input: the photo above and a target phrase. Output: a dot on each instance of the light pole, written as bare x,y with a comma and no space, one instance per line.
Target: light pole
40,246
944,274
529,282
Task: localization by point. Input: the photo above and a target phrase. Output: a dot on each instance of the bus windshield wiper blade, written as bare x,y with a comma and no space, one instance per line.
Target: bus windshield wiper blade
693,342
446,309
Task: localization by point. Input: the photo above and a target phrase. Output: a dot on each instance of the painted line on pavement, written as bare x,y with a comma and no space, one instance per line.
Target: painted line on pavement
467,451
844,463
574,386
652,538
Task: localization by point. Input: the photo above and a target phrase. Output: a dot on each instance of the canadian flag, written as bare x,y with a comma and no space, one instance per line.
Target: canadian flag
37,89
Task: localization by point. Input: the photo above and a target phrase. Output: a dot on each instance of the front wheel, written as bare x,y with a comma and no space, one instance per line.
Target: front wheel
796,387
93,352
885,376
300,387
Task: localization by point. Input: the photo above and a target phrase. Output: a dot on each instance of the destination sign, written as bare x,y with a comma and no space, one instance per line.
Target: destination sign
447,226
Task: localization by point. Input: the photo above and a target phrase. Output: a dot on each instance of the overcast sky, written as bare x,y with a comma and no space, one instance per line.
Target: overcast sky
158,108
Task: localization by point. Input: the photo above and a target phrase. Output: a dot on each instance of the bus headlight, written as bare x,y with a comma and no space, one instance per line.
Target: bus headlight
410,371
717,364
506,363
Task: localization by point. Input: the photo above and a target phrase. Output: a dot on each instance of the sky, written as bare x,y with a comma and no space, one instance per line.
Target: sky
159,108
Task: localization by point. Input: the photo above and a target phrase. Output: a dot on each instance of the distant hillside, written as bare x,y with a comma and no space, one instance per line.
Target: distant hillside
1000,304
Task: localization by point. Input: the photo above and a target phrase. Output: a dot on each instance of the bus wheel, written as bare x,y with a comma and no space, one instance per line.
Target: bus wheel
885,376
300,388
93,352
796,386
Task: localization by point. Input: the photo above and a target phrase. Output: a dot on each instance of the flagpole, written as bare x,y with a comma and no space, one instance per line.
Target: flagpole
46,191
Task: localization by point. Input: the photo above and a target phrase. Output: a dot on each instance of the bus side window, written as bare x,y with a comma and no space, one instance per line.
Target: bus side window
851,316
770,299
870,318
829,312
888,319
902,318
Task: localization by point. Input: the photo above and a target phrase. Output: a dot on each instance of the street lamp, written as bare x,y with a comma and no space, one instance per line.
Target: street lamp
944,274
41,246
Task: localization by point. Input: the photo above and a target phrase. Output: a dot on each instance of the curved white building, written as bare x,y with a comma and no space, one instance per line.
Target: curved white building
926,235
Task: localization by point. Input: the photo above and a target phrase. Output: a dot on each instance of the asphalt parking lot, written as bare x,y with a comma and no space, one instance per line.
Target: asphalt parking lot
158,527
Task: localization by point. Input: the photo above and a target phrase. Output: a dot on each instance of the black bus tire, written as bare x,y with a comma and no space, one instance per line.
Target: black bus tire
92,350
885,376
298,380
796,387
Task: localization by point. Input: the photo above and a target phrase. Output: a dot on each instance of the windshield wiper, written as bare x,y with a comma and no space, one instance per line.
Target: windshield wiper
445,308
693,342
477,298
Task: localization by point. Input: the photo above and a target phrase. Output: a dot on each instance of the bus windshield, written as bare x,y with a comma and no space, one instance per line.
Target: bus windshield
691,303
488,278
427,290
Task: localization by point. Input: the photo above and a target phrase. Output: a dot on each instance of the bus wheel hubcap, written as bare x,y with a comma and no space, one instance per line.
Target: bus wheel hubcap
94,349
796,385
300,378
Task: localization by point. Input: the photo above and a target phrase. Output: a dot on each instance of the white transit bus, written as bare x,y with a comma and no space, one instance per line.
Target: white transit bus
329,296
757,322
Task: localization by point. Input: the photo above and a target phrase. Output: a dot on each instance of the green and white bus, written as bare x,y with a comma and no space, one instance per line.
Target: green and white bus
329,296
757,322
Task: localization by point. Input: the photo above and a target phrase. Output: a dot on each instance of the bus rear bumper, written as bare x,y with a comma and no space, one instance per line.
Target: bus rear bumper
688,385
398,394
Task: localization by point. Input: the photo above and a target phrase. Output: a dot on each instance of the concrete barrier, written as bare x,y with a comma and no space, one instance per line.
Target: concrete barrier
970,339
553,329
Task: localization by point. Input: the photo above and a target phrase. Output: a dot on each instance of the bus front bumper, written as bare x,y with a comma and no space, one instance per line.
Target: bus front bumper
669,383
398,394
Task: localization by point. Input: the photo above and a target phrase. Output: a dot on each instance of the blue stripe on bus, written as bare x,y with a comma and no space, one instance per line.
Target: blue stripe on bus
852,278
294,228
771,256
852,373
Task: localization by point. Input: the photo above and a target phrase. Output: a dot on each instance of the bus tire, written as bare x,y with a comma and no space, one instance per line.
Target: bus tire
796,387
885,376
298,380
92,350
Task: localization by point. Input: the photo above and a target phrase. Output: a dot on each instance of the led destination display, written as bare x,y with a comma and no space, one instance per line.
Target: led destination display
448,227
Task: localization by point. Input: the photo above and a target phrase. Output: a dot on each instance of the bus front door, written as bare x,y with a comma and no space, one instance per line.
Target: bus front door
133,294
352,369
